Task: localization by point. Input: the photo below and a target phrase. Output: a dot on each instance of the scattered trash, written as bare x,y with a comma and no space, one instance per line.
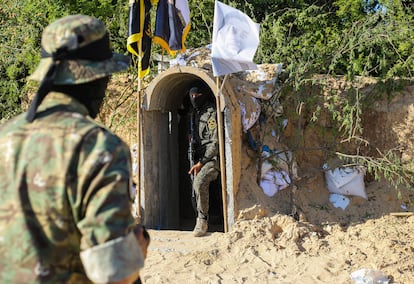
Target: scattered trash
178,61
369,276
250,112
346,181
339,201
275,178
403,206
274,181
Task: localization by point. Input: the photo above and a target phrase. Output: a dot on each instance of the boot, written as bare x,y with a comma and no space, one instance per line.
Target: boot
200,228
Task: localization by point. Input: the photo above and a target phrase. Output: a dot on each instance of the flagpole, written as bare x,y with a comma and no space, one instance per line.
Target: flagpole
221,149
138,129
162,60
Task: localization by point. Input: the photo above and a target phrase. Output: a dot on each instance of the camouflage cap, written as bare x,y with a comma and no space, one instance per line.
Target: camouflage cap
73,33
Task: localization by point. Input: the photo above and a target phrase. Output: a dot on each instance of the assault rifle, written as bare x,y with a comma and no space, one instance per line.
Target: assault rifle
191,153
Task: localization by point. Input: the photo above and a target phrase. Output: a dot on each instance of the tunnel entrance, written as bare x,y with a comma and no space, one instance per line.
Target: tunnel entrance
165,186
186,203
164,183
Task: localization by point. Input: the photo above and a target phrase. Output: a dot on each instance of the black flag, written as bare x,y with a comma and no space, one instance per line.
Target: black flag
172,25
139,33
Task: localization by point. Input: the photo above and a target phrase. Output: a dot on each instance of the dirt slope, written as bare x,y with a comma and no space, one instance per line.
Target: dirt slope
323,244
319,244
281,250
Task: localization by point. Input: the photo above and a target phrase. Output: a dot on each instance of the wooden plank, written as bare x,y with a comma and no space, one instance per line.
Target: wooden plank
402,214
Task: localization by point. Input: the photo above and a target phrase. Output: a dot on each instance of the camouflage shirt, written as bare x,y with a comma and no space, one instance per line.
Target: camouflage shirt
206,136
64,191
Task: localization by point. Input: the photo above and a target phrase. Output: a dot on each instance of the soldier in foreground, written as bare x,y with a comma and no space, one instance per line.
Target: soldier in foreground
65,211
205,169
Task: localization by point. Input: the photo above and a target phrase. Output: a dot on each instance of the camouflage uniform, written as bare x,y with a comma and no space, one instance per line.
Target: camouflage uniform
206,153
64,186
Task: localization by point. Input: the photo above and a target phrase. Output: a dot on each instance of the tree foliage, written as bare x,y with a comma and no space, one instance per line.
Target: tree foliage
21,26
334,37
342,37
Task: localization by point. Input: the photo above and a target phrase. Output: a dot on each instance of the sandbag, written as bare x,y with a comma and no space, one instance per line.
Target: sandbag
346,181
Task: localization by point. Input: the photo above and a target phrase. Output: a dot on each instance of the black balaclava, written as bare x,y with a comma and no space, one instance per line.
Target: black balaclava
90,94
200,101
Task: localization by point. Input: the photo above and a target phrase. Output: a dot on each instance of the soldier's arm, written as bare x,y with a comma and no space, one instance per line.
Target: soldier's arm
110,250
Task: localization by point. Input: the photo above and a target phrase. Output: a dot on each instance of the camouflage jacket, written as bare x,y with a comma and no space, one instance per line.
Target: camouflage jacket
206,137
65,204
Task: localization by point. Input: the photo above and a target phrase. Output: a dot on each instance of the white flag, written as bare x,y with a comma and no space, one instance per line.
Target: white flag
235,40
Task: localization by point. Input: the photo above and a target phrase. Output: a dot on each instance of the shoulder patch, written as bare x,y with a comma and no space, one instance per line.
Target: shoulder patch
211,123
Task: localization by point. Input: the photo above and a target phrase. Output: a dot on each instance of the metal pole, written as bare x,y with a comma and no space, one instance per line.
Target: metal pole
222,160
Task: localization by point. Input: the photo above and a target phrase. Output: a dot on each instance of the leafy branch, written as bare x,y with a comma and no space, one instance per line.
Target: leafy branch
387,165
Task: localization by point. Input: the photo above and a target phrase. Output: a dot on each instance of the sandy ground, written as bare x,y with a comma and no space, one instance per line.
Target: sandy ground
321,243
317,243
280,249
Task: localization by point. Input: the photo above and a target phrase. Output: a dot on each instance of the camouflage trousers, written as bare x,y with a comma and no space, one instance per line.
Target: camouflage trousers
208,173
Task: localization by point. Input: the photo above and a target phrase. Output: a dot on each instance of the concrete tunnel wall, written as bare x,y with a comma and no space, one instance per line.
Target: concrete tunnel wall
159,161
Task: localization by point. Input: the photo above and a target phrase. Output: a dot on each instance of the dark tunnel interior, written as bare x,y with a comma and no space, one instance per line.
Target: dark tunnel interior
171,95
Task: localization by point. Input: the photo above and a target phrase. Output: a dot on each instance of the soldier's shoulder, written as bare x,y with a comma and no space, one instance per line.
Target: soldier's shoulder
101,135
12,123
211,108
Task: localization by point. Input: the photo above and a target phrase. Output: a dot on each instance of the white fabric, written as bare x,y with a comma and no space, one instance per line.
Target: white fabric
266,166
182,5
113,260
274,181
346,181
339,201
366,276
235,40
250,112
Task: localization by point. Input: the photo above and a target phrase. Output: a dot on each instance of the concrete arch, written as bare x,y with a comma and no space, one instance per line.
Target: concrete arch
175,82
164,145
